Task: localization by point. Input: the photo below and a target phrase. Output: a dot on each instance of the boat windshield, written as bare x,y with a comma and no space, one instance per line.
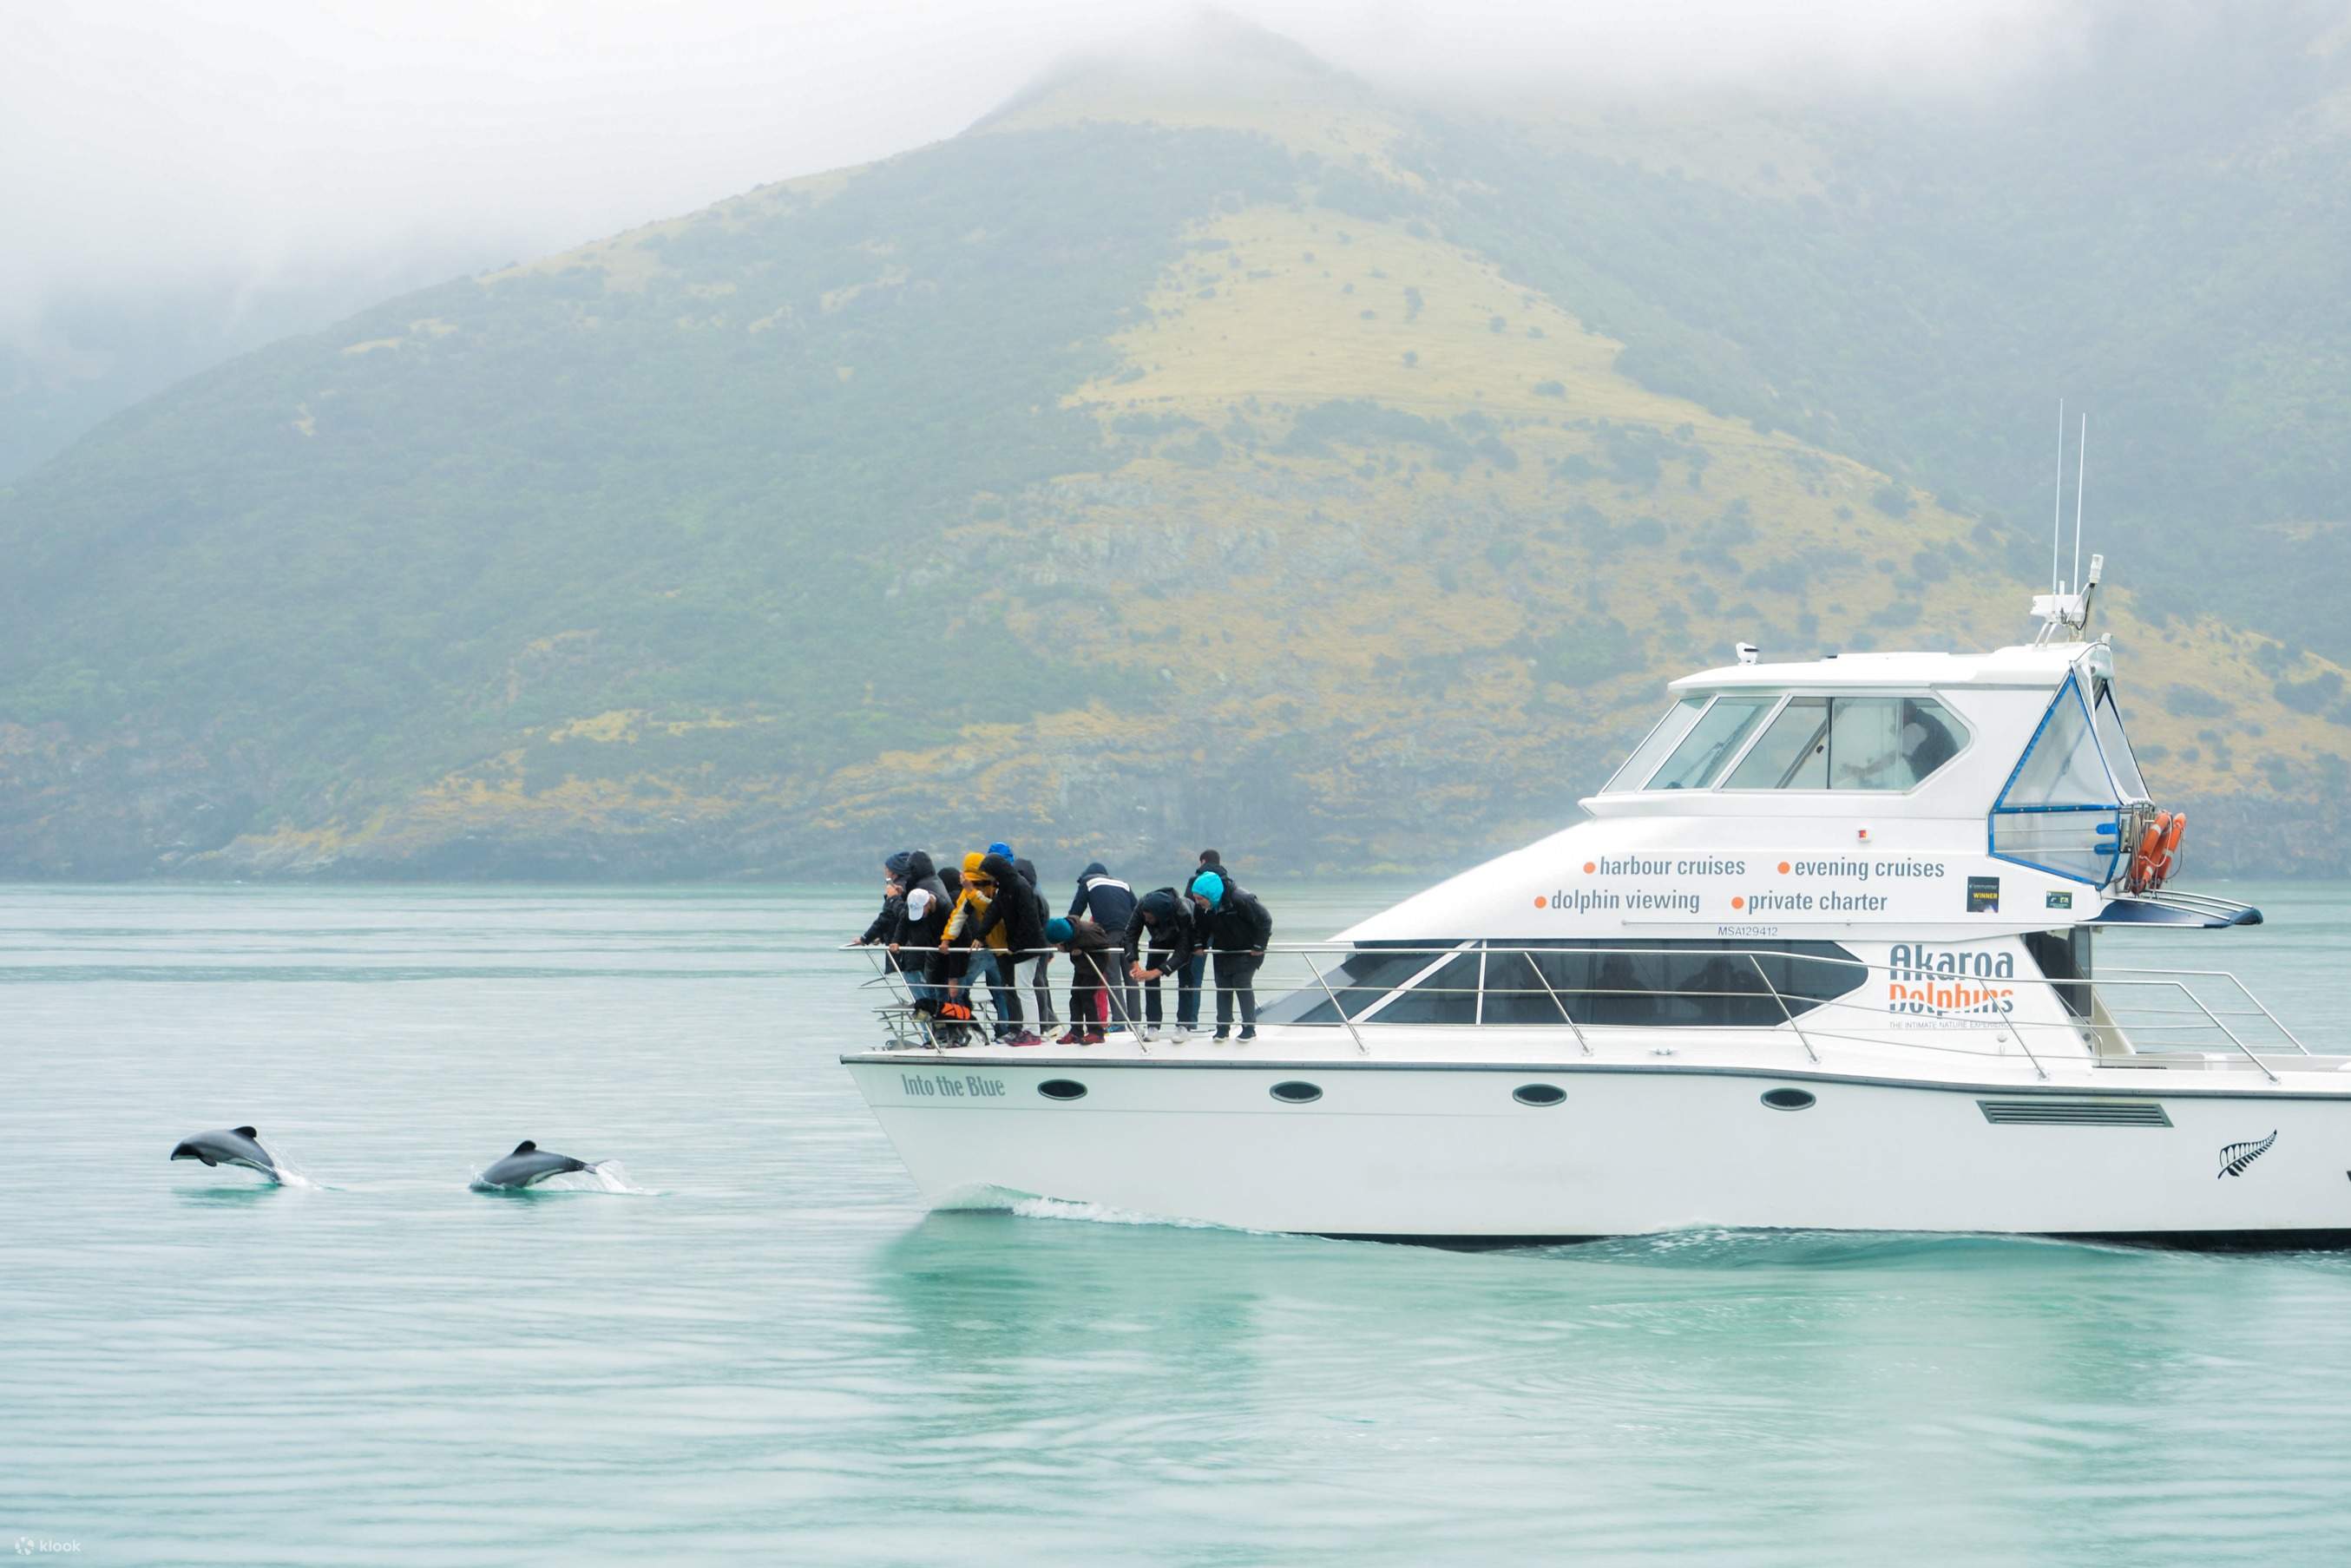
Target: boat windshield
2121,760
1768,740
2062,809
1664,737
1716,736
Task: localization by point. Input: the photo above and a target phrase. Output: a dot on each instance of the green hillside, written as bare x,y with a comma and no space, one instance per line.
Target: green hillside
1219,451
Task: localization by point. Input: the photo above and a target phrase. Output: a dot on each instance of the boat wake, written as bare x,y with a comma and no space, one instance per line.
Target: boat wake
1102,1214
1029,1206
1721,1247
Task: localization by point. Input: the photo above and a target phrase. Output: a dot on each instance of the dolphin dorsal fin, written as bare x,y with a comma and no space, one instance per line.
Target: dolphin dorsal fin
525,1147
245,1131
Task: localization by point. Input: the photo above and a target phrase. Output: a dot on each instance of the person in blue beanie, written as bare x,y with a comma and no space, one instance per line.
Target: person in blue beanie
1188,988
1093,969
1239,930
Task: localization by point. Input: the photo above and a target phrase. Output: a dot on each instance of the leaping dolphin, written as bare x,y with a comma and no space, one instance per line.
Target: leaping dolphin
236,1147
529,1163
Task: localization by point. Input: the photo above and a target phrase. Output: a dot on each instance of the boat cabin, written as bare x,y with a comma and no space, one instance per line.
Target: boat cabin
1901,843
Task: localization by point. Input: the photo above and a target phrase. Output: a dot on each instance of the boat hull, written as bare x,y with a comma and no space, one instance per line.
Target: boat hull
1445,1152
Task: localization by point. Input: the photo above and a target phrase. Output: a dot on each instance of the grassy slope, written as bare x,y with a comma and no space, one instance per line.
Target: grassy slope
747,539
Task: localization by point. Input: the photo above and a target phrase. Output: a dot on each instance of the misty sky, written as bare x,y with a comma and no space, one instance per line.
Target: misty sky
145,143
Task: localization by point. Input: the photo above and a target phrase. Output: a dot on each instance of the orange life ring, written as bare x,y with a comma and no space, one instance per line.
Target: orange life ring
2166,858
2142,866
2150,844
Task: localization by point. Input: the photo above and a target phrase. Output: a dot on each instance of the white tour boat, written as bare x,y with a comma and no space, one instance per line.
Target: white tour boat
1821,958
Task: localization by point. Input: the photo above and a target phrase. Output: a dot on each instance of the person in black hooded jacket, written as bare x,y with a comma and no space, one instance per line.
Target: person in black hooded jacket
921,924
1017,909
1045,960
1160,942
1045,1018
893,905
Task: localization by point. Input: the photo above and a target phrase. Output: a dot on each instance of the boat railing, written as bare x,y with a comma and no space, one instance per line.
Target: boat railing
2118,1017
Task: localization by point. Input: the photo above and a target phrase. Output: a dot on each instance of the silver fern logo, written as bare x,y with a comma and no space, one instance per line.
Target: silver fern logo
2235,1158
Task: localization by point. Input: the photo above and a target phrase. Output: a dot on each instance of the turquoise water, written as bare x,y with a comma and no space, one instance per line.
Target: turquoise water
761,1347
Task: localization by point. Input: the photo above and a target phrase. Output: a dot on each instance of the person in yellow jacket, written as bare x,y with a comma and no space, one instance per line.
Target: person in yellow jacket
985,958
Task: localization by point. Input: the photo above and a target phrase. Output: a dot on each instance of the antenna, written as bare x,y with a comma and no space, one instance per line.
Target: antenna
2082,454
2059,609
2057,502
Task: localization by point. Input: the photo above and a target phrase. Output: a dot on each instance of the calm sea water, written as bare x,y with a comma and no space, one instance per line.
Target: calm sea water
765,1348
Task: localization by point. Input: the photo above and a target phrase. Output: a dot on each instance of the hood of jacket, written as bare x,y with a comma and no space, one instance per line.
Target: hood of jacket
1084,932
1019,913
1163,904
1094,868
918,865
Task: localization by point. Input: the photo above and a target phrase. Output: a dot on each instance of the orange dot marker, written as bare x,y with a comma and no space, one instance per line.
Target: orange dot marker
1784,868
1738,904
1590,866
1540,901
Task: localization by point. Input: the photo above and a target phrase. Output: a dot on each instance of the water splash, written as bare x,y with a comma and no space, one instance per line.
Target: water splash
611,1175
605,1175
291,1173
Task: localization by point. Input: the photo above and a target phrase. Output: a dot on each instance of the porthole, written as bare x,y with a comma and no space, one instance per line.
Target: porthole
1787,1099
1539,1094
1061,1088
1296,1094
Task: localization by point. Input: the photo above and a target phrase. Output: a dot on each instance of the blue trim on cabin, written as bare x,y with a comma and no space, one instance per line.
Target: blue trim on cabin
2113,830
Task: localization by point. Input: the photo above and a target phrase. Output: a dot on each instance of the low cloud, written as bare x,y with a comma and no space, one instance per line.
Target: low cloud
146,148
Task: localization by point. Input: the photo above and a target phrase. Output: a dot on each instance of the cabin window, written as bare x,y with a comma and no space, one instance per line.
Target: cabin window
1661,983
1715,738
1652,983
1888,743
1448,996
1662,737
1793,753
1359,982
2064,956
2060,811
1850,743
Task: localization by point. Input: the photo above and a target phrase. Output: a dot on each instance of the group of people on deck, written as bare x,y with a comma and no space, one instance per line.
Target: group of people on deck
951,930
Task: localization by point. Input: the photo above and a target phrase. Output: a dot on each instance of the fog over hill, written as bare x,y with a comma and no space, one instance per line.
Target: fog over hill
1222,444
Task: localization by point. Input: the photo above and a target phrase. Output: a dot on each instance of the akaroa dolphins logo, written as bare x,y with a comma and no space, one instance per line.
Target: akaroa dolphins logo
2235,1158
